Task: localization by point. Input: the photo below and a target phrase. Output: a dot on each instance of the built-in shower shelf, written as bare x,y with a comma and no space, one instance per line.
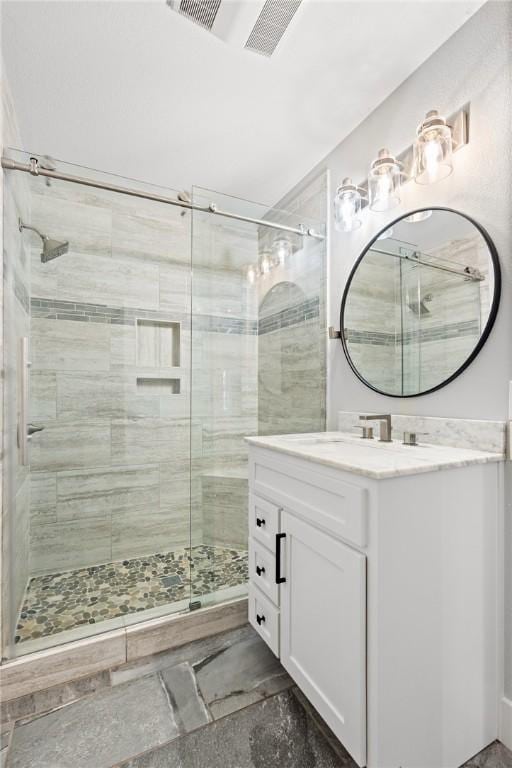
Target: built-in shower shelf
158,343
158,385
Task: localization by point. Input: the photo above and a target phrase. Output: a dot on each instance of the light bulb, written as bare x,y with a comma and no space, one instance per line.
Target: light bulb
433,154
384,180
383,190
265,264
347,204
251,274
433,149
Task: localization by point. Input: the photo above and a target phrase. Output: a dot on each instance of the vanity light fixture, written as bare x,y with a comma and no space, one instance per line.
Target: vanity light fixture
427,160
251,274
433,149
384,181
347,206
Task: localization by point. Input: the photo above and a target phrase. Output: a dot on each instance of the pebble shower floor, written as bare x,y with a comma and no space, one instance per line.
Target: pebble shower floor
63,601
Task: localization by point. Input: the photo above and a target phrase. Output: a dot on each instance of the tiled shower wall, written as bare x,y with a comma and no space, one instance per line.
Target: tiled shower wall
110,382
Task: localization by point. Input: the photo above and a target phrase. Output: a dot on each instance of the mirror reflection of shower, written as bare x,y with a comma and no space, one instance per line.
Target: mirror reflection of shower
52,249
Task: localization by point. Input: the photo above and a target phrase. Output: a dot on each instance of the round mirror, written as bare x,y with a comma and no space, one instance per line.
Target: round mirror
420,302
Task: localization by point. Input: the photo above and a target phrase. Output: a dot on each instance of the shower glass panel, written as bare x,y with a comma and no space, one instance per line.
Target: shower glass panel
100,507
258,366
142,343
441,323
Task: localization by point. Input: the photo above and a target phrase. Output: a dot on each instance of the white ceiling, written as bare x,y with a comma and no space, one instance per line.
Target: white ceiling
135,89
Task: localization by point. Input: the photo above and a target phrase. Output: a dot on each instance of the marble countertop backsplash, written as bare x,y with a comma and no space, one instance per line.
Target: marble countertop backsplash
474,434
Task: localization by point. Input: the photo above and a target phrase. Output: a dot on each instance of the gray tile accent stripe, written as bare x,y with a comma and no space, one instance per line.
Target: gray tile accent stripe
448,331
51,309
298,313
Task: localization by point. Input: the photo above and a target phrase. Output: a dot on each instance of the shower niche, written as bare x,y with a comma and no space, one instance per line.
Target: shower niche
158,349
158,343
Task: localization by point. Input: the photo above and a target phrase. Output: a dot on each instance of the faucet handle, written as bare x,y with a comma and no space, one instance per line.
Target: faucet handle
410,438
367,431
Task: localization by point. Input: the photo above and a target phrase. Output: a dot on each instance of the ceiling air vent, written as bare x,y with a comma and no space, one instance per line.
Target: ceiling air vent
202,12
271,25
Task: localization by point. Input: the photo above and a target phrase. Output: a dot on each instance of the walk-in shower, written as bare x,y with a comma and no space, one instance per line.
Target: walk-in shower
152,353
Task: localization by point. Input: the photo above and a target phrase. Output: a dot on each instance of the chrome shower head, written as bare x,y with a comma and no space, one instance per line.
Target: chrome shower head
53,248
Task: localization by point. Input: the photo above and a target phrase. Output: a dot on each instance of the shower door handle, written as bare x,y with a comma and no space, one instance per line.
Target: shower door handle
23,367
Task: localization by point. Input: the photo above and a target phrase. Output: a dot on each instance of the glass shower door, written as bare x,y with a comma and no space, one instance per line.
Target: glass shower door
104,496
258,367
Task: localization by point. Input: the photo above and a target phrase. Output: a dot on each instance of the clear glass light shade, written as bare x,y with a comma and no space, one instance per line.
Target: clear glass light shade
251,274
384,182
347,206
433,150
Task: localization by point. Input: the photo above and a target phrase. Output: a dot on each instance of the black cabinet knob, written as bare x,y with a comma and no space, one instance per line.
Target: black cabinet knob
260,521
260,570
260,619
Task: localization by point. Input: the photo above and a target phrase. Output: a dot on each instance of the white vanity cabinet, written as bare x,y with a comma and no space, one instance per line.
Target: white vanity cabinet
379,596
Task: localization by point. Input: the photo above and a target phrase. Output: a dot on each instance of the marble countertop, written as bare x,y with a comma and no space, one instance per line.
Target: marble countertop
372,458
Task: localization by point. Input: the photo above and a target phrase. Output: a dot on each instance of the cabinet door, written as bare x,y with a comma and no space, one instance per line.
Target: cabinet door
323,628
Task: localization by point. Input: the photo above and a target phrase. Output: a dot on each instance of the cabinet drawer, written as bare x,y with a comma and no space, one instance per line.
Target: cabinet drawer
264,521
264,617
335,505
262,570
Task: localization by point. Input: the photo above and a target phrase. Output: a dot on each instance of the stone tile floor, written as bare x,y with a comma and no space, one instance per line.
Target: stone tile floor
222,702
63,601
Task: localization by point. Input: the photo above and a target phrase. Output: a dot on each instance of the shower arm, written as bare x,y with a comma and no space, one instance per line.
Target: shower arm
35,169
22,226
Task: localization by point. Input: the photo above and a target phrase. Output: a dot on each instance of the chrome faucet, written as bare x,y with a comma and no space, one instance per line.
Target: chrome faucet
385,425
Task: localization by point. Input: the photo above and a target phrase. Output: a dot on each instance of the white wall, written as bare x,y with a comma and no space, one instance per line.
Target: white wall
474,65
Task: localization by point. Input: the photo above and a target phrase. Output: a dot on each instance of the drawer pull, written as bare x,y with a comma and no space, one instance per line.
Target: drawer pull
260,619
260,570
279,579
260,521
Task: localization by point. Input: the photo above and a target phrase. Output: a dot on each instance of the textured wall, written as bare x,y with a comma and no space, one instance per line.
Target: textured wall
474,66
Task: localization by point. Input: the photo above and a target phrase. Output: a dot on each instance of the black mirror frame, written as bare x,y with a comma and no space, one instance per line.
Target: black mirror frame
488,326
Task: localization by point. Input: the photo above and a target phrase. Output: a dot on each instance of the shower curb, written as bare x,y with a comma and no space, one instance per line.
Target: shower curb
71,661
